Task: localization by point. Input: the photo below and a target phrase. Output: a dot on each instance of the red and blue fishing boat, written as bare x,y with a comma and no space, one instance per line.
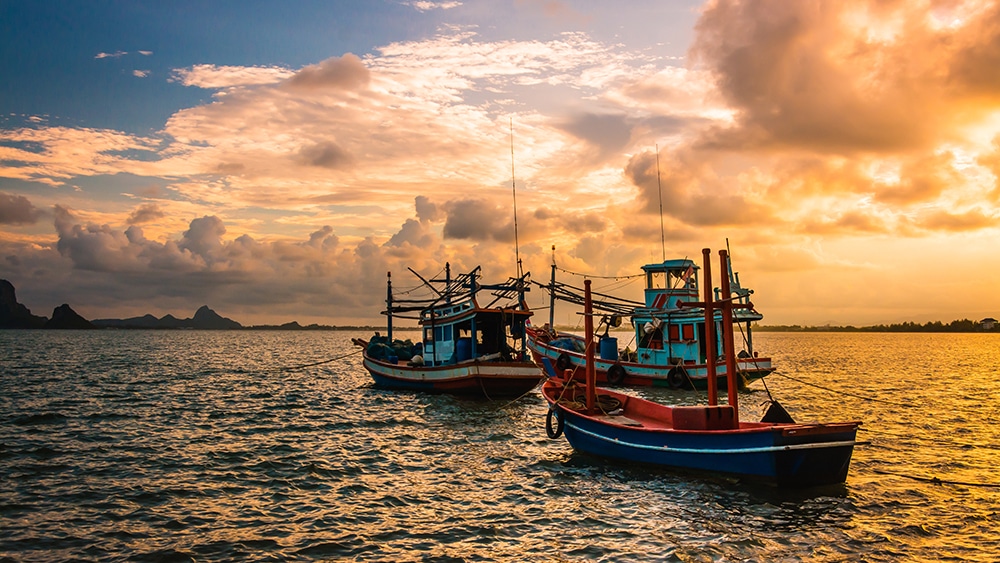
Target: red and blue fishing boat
465,347
669,347
708,439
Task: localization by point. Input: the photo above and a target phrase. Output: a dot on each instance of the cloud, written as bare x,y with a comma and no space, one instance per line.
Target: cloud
345,73
145,53
325,154
426,6
145,213
476,219
17,210
215,76
863,76
140,73
115,55
426,210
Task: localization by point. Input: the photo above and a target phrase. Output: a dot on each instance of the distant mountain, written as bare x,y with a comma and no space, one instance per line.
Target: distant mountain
204,319
64,317
12,313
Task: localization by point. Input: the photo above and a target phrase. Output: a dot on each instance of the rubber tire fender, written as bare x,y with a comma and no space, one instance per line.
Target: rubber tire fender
616,374
558,430
677,377
563,363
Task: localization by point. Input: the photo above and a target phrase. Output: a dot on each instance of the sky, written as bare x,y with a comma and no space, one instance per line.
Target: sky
274,160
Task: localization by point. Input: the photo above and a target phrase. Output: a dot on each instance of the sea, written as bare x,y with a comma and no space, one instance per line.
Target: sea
276,446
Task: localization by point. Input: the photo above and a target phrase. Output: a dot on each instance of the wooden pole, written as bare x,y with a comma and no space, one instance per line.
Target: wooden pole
713,386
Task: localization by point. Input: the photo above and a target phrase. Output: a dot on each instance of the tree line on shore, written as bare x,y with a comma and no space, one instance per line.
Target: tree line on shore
963,325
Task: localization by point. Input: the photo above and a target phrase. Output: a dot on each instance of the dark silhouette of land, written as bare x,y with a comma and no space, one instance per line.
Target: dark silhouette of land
17,316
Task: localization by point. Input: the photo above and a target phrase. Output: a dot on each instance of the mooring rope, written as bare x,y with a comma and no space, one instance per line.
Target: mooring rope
856,396
290,368
936,480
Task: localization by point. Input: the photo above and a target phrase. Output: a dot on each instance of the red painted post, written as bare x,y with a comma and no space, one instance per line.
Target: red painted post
713,386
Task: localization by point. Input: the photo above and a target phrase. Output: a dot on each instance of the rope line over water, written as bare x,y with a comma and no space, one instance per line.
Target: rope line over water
856,396
937,481
290,368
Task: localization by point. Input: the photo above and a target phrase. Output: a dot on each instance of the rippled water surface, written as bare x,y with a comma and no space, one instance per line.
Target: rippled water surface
212,446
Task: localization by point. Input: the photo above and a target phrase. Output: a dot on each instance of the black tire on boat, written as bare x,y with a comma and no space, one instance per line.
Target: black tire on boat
616,374
558,430
563,362
677,377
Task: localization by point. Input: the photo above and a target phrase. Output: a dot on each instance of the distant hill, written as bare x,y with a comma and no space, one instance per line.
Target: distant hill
12,313
204,319
15,315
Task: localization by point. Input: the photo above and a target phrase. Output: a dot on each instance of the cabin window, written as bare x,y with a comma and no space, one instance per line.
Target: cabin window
688,332
656,280
428,334
683,279
673,333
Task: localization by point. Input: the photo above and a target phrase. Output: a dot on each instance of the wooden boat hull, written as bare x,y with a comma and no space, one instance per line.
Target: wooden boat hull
644,375
490,379
785,455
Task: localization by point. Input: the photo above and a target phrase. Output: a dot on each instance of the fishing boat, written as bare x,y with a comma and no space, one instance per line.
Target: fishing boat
708,439
671,348
466,346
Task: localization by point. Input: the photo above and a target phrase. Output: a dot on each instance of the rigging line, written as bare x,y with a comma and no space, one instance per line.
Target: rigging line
862,397
593,277
936,480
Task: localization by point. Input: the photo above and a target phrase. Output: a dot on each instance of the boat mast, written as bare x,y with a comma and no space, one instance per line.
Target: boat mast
728,338
552,292
388,303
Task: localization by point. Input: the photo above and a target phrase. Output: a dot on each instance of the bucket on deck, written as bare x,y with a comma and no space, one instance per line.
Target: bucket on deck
609,348
463,349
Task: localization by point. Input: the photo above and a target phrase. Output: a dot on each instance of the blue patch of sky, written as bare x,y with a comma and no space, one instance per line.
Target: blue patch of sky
50,47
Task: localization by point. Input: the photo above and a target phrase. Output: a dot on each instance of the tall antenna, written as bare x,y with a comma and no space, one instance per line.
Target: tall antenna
513,190
659,192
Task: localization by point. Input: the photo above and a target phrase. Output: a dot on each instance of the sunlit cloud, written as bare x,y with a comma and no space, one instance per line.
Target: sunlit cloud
115,55
212,76
426,5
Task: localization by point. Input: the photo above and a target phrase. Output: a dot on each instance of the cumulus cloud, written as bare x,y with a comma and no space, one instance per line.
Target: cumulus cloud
115,55
344,73
476,219
140,73
145,213
17,210
216,76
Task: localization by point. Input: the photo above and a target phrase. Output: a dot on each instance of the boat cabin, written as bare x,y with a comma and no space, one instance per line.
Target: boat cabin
667,333
462,331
